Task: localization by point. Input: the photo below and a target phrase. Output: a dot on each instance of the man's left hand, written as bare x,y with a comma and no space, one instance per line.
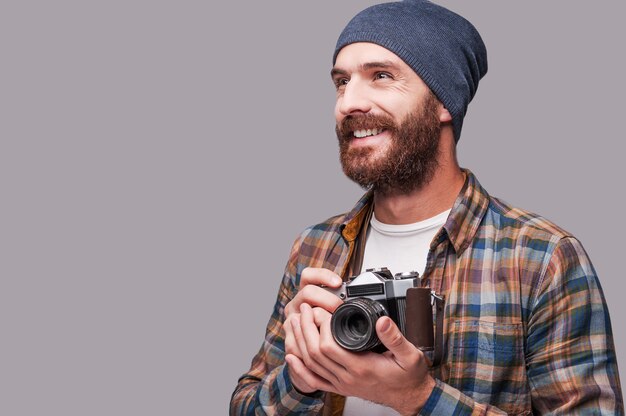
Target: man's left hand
397,378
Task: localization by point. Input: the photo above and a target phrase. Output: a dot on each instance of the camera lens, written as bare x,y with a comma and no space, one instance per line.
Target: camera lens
353,324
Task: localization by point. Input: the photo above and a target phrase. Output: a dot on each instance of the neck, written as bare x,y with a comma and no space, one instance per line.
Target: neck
433,198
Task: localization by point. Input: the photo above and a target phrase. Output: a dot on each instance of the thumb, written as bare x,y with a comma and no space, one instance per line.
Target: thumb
390,335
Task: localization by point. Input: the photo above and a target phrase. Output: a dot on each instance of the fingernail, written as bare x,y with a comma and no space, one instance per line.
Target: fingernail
336,281
385,325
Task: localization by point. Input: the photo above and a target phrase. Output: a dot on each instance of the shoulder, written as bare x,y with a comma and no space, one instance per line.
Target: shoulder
521,224
547,261
316,239
555,251
326,228
528,242
482,221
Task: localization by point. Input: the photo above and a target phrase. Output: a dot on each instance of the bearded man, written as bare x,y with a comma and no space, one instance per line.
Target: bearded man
523,326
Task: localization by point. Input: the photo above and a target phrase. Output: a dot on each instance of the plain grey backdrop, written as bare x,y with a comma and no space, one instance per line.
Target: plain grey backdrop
158,158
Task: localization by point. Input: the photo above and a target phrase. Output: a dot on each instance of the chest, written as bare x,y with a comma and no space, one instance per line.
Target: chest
486,293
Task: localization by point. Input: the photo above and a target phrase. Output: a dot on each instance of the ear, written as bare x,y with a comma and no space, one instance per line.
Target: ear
444,115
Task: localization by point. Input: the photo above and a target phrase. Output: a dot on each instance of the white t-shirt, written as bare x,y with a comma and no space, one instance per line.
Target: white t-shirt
400,248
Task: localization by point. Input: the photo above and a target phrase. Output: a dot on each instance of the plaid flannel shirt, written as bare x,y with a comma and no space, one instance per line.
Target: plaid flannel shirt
526,326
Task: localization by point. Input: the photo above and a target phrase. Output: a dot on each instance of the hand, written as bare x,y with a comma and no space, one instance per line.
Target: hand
309,291
397,378
323,301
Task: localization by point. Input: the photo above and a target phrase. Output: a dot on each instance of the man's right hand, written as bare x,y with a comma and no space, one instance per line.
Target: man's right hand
321,300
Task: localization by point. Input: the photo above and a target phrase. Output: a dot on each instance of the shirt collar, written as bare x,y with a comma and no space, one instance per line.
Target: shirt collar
352,222
467,213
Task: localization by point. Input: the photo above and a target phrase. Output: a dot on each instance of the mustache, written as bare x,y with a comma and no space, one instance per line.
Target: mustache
351,123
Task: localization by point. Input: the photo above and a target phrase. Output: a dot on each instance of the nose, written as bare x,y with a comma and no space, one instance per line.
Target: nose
354,99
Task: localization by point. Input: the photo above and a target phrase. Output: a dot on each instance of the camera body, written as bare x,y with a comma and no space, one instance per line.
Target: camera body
369,296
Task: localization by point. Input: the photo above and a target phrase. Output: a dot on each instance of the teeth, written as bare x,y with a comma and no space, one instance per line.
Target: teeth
368,132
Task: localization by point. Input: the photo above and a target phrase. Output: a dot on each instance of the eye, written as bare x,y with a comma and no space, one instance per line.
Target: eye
383,75
341,82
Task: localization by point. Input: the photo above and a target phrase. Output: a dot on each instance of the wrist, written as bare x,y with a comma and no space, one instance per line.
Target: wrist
419,397
291,384
313,393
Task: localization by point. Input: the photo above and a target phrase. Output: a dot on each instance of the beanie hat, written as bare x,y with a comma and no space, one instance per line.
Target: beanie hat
443,48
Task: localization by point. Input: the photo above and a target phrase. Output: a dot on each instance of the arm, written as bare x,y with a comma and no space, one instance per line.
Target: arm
267,388
572,366
570,358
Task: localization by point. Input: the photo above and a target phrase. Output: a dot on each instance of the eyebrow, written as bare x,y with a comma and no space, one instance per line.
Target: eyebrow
364,67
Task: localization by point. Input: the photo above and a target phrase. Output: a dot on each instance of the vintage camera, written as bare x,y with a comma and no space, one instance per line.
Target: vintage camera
378,293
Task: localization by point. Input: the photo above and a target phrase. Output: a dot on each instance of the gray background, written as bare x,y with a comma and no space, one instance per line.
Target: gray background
158,159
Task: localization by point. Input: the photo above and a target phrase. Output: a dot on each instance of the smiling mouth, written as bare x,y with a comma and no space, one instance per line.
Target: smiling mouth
359,134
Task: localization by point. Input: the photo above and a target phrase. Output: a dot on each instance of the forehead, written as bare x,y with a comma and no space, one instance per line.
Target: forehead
356,55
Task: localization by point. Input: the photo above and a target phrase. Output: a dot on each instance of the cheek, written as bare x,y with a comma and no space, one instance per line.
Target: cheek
396,103
397,111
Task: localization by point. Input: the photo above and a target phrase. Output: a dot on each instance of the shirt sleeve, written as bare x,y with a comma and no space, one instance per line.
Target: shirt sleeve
570,355
266,388
446,400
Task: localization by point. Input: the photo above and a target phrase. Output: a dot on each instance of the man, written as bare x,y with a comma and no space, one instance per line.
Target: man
525,325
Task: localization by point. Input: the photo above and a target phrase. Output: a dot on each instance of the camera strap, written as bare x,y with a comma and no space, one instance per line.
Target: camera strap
439,306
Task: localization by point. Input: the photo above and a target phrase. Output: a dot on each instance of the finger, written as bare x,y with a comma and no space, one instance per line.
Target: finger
389,334
320,316
299,339
291,347
310,290
330,348
304,379
328,368
296,374
315,296
319,276
309,361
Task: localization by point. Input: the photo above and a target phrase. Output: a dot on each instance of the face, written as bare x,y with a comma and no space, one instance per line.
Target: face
388,121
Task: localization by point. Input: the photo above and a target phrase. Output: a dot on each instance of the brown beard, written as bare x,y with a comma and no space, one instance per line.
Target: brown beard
411,159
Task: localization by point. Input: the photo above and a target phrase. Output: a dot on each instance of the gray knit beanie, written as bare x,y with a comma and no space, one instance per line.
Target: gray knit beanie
443,48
